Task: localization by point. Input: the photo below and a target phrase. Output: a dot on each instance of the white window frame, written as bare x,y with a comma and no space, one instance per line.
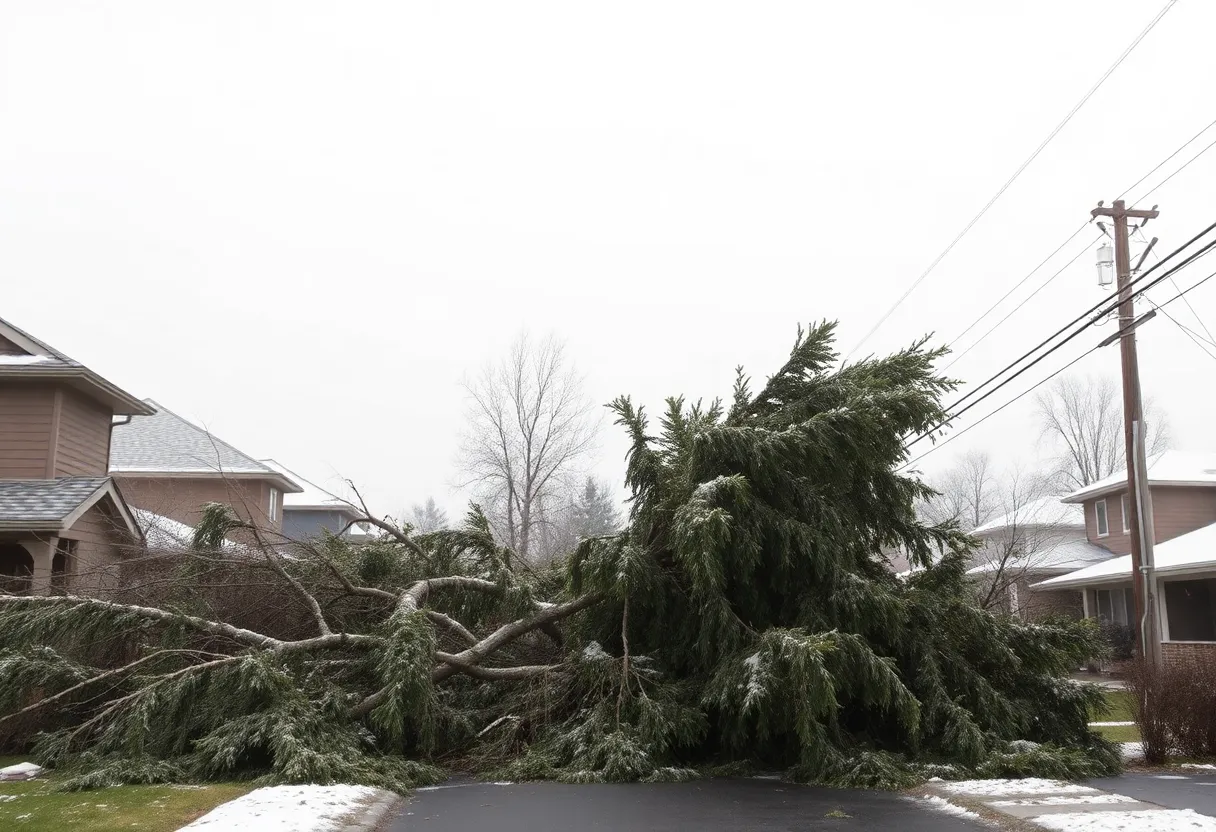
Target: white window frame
273,513
1101,519
1125,505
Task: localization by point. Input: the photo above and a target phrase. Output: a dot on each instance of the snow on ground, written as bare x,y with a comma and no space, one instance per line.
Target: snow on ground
286,809
1025,785
1131,751
1064,800
1110,724
1155,820
1200,766
940,804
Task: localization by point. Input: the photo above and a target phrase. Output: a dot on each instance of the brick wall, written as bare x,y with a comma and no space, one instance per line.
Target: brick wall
1177,653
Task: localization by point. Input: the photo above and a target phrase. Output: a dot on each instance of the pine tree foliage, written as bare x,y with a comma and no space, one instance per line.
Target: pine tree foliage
743,617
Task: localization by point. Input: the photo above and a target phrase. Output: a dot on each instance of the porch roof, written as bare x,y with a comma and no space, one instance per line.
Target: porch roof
1192,552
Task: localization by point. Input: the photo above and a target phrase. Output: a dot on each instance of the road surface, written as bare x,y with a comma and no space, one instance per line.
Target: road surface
752,805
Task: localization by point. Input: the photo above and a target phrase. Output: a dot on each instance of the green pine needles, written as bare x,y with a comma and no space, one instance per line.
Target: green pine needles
744,619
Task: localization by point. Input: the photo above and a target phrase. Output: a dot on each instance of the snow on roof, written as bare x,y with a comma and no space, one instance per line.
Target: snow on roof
1045,511
1189,552
1165,468
311,495
165,443
22,360
162,532
1065,555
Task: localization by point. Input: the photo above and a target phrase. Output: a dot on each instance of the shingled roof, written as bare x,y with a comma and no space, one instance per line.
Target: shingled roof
54,505
167,444
22,356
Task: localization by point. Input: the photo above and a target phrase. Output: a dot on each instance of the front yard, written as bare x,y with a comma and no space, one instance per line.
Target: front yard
33,806
1119,703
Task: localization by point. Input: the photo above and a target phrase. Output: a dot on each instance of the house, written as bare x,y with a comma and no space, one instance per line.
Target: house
1183,488
312,510
1040,539
64,522
171,467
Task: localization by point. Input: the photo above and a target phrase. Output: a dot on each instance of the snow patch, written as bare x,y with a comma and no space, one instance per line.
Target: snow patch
1200,766
940,804
1065,800
287,809
20,771
1111,724
7,797
21,360
1026,785
594,652
1153,820
1131,751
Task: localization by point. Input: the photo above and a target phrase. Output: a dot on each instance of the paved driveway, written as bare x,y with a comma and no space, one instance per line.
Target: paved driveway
704,806
1183,790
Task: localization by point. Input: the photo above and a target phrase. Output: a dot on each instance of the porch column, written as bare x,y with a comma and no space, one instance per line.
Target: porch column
1085,602
43,552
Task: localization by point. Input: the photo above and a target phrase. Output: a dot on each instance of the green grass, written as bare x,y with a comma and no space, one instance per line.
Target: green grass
33,806
1119,704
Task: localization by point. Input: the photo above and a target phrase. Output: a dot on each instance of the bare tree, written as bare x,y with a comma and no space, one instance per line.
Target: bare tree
1083,415
1022,539
966,493
429,517
529,426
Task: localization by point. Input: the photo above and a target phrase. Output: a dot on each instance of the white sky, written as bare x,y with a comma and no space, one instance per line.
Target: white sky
302,223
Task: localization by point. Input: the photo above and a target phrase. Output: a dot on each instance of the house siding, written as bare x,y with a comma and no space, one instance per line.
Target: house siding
101,541
27,414
303,524
1176,511
83,446
1037,605
183,498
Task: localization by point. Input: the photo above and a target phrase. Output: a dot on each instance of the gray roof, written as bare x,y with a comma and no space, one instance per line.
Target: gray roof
45,501
165,443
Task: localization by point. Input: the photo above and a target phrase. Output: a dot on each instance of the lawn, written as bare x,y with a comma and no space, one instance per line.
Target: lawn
33,806
1119,703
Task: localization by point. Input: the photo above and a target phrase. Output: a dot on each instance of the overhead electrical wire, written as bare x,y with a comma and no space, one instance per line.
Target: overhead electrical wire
1112,303
955,359
967,228
1185,299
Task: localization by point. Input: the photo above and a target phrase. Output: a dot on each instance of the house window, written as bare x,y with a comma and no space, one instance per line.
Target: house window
1190,608
1100,518
273,512
1117,606
1126,505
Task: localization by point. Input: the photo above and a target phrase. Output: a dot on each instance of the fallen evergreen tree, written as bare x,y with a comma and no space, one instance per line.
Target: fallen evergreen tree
744,619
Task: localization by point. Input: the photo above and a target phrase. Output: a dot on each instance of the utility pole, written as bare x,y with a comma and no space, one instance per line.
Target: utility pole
1140,502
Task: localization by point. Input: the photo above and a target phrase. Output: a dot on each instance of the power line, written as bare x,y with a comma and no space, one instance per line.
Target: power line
967,228
1026,300
985,418
1189,333
1091,309
1185,299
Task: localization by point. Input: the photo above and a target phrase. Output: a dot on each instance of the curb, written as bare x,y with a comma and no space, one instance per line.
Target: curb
374,812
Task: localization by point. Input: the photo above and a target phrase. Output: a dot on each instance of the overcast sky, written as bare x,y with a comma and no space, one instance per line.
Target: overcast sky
302,223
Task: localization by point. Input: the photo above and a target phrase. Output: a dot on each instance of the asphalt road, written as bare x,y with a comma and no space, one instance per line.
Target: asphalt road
1177,791
701,806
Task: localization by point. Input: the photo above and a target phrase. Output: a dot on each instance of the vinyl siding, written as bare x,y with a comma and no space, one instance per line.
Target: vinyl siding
27,415
1176,511
183,498
302,524
101,541
83,449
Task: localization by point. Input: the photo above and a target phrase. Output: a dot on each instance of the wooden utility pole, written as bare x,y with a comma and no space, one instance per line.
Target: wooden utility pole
1140,503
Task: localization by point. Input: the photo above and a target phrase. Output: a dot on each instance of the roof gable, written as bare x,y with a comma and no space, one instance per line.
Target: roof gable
22,356
55,505
167,444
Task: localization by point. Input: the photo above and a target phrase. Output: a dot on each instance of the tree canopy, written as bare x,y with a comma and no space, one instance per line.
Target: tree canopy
743,618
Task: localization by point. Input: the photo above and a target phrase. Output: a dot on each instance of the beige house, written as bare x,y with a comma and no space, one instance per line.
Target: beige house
1183,488
64,524
171,467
